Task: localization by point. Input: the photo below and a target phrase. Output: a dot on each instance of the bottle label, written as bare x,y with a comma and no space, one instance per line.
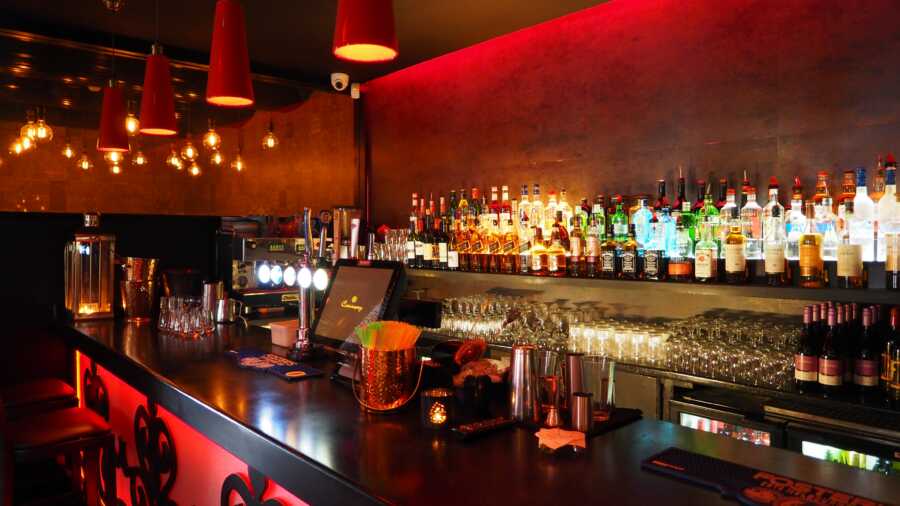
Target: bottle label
810,259
552,263
576,246
894,368
608,261
592,247
849,260
462,246
651,263
477,247
892,252
831,371
453,259
886,372
524,248
705,264
806,368
865,372
410,250
420,248
494,247
629,262
427,252
775,259
679,268
536,263
735,260
620,229
442,252
509,248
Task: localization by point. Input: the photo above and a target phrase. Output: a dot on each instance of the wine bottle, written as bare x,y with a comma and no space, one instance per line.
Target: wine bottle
865,362
831,364
806,357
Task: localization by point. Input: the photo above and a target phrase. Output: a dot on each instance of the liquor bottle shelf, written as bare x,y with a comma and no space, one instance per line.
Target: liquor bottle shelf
512,284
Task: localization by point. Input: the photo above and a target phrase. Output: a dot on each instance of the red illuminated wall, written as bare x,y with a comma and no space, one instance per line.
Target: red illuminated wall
613,97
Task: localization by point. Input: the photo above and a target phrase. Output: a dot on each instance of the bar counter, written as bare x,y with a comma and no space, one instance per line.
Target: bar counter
311,438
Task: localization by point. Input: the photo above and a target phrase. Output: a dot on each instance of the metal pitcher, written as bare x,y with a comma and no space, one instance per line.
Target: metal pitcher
228,310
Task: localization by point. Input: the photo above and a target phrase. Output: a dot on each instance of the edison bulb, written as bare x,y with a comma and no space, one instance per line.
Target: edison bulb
139,158
132,124
16,147
27,143
42,131
269,140
68,152
212,139
115,169
195,169
113,157
84,162
29,130
173,160
238,163
216,158
189,152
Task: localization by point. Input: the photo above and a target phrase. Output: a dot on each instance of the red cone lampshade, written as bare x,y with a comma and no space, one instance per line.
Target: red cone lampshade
158,99
229,82
113,135
364,31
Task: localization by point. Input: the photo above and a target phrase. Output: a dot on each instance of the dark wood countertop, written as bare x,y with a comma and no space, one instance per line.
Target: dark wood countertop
311,437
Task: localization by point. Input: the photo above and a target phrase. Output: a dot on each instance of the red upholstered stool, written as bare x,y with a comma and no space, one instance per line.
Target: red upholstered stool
37,396
75,433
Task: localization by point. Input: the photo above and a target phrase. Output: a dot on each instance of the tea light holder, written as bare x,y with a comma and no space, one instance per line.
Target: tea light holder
437,408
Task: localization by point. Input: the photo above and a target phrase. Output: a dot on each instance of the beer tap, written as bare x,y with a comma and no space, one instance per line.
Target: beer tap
303,344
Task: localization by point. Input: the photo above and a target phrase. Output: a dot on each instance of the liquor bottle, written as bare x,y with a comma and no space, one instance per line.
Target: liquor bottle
850,271
576,261
680,264
795,222
774,239
681,201
773,212
661,199
592,250
524,205
476,241
629,258
536,218
709,215
826,224
549,214
812,267
556,254
452,248
735,254
751,225
727,213
608,264
420,244
494,244
462,208
822,187
848,191
887,208
878,182
831,364
463,248
640,219
745,189
701,192
411,239
706,255
452,205
655,253
427,243
494,205
509,250
667,226
866,360
441,244
505,203
538,253
526,234
723,194
565,209
806,356
620,223
890,358
598,214
892,261
863,227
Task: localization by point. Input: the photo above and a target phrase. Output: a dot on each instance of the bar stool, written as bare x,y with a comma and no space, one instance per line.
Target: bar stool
69,432
37,396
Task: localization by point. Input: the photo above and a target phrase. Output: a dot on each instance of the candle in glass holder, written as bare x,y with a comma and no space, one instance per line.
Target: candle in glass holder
437,408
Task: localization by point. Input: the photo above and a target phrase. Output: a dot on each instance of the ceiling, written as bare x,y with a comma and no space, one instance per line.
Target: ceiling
288,40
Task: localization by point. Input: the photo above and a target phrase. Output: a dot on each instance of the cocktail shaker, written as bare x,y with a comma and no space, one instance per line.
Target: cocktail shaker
523,389
574,376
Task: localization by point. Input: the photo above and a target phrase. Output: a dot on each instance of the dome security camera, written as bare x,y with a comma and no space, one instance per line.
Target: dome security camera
339,81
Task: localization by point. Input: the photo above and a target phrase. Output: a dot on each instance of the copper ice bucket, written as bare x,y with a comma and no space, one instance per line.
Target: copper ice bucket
387,379
138,288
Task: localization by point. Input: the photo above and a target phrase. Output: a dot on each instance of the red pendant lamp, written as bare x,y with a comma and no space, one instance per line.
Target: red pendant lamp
364,31
158,98
229,83
113,135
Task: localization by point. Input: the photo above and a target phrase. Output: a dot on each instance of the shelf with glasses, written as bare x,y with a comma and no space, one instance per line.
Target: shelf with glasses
525,284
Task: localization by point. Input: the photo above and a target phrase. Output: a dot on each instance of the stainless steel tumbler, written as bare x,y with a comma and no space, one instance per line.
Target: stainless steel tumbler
582,412
574,377
524,405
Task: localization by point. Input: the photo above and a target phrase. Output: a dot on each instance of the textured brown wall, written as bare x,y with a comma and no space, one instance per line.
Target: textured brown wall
314,166
613,97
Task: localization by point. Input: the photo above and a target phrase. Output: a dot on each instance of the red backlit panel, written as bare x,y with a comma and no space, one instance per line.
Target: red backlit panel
202,465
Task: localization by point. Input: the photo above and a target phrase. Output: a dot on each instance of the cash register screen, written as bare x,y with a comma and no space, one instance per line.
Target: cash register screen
357,295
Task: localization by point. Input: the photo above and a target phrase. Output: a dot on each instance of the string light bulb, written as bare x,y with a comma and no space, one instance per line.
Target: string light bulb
29,129
84,161
216,158
173,159
42,131
68,152
188,151
139,159
212,139
115,169
16,147
269,141
194,170
27,143
113,157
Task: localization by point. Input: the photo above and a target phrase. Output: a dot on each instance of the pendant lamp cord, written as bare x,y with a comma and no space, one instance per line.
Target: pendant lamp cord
114,56
156,26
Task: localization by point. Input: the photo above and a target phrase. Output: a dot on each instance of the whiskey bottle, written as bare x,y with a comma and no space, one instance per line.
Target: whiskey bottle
705,255
556,254
592,250
538,253
494,245
848,191
773,244
806,357
509,248
892,261
812,267
831,364
576,253
654,263
629,257
525,233
680,262
850,269
865,363
608,264
735,255
462,246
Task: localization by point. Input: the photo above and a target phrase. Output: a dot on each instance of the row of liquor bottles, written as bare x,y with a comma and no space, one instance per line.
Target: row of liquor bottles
706,241
844,349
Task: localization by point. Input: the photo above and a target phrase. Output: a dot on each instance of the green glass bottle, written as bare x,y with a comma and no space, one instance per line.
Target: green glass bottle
620,223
